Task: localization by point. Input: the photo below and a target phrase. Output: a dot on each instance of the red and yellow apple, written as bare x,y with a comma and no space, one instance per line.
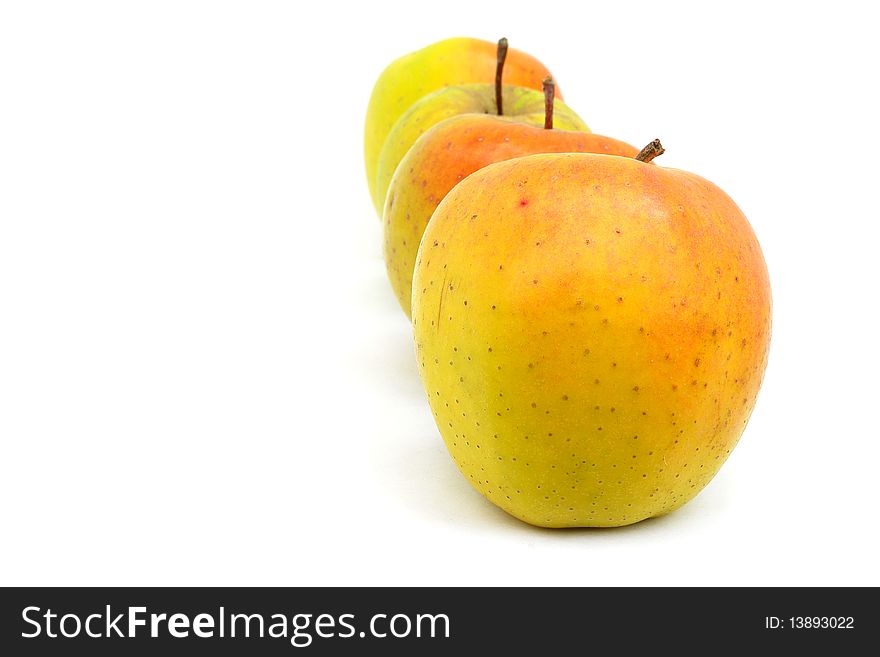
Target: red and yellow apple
520,104
591,332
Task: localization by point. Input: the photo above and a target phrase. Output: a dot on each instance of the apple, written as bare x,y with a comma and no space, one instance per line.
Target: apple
454,149
591,332
447,63
521,105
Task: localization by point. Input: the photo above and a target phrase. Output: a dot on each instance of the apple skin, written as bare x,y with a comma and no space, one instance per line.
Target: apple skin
591,332
447,153
519,103
460,60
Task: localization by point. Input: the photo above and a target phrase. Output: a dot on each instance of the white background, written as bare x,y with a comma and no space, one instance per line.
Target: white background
204,375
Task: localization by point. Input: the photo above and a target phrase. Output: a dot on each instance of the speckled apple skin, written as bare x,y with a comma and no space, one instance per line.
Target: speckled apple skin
592,333
450,62
445,155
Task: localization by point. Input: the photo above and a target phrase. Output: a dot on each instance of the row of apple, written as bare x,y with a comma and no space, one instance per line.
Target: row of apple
591,329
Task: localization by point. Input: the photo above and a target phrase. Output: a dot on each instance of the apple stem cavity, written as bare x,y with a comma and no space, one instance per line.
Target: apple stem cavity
499,69
549,93
651,151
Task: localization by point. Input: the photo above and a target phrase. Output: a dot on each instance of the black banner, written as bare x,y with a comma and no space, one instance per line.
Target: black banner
334,621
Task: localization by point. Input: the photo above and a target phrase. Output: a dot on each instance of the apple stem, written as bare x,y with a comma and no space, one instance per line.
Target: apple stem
651,151
549,93
499,68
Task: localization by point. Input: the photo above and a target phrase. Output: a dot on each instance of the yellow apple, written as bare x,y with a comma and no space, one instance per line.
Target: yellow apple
591,332
446,63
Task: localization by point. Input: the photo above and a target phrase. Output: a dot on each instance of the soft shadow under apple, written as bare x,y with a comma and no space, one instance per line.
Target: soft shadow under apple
424,477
